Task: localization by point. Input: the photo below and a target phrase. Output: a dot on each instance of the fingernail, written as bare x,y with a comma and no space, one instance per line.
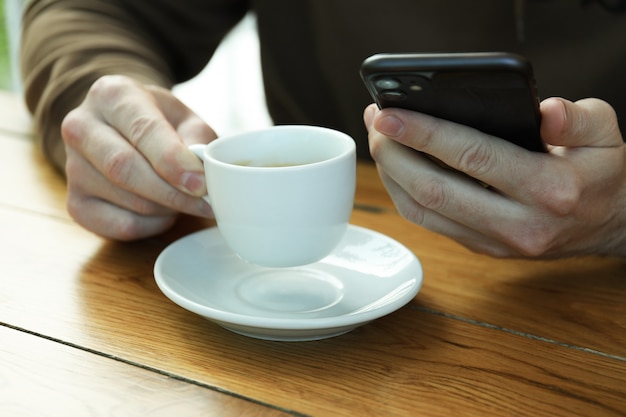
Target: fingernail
205,209
193,182
390,126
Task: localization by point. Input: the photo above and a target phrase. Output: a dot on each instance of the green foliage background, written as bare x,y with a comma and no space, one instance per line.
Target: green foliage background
5,66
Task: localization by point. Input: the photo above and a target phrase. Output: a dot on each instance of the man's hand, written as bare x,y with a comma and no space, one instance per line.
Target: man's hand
128,168
567,202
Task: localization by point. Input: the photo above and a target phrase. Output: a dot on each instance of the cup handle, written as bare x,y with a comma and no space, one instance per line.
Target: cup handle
199,151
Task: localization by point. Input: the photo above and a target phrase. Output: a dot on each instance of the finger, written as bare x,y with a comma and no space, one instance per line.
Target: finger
130,218
431,220
113,222
589,122
490,160
368,115
98,215
84,181
136,115
189,126
447,193
122,167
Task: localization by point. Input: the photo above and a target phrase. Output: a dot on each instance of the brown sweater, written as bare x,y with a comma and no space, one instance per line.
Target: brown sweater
311,50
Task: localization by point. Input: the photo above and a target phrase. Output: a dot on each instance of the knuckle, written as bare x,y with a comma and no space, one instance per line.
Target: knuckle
563,199
428,132
135,227
141,127
537,237
431,193
530,239
127,229
71,124
557,195
73,205
413,213
73,169
118,166
168,159
73,127
476,159
109,88
602,110
534,242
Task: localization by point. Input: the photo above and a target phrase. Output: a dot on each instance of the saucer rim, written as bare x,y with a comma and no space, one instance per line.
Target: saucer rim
224,318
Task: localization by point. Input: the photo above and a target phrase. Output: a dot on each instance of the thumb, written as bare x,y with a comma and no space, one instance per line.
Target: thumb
589,122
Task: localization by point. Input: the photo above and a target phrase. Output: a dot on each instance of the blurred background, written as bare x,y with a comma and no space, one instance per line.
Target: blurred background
10,10
227,94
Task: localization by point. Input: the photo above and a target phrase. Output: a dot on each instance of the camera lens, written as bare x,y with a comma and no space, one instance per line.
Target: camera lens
387,83
392,95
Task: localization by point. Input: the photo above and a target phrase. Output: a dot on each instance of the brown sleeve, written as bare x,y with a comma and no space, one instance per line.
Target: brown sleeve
68,44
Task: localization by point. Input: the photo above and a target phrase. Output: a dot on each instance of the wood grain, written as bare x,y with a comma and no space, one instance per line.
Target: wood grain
573,301
43,378
28,182
101,295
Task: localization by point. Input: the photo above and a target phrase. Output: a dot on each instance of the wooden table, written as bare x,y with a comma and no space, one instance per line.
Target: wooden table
84,330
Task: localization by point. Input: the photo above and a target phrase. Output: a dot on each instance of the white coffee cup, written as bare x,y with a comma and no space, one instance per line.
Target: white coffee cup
282,196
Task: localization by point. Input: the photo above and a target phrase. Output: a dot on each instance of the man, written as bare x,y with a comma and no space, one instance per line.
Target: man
97,76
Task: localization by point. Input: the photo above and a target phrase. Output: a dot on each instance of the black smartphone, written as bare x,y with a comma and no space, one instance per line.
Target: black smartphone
493,92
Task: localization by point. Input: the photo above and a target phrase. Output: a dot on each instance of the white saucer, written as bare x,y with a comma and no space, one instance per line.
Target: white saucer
368,276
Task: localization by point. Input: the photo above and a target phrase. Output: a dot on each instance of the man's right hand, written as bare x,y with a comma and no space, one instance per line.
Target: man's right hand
129,172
